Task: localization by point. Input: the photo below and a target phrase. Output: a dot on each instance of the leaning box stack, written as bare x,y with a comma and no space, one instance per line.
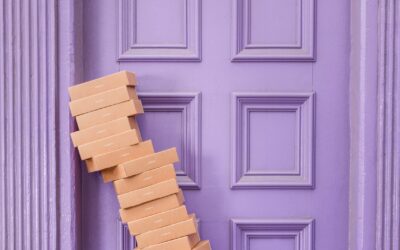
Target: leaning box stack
109,140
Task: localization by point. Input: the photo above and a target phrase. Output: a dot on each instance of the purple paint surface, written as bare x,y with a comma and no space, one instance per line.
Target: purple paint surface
275,137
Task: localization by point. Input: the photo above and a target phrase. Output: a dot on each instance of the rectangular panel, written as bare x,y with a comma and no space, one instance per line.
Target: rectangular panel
273,30
174,119
274,23
273,137
166,130
157,27
159,30
272,141
272,242
282,234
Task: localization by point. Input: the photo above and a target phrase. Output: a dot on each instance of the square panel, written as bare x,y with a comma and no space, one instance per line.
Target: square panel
271,132
149,33
273,140
273,23
282,234
156,27
174,120
273,30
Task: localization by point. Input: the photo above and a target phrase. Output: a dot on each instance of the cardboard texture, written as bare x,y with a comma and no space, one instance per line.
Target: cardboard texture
102,100
119,79
183,243
171,232
145,179
145,182
149,193
158,220
142,164
203,245
108,144
111,159
104,130
149,162
152,207
123,109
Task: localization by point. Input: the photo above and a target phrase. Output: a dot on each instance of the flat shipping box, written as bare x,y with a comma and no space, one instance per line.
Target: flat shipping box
103,130
102,84
145,179
112,159
152,207
149,162
183,243
102,100
171,232
108,144
158,220
149,193
142,165
203,245
128,108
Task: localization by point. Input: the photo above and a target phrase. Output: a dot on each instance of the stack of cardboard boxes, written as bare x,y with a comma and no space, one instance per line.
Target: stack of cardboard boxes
109,141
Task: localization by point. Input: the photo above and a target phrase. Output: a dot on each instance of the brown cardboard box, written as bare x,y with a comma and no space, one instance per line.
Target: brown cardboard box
123,78
158,220
111,159
171,232
152,207
108,144
149,193
102,100
145,179
103,130
152,161
128,108
203,245
142,165
183,243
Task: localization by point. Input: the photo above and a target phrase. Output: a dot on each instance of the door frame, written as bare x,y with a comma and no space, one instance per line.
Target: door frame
374,113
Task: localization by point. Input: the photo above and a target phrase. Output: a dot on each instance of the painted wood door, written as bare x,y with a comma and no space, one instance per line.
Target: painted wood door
254,95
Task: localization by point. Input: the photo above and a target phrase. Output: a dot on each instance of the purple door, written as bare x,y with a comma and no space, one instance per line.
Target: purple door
254,95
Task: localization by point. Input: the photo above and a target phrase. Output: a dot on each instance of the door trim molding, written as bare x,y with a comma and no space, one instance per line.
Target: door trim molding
374,124
388,151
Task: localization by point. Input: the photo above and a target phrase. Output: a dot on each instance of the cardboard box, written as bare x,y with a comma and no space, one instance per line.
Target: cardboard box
164,234
183,243
149,162
149,193
152,207
142,165
123,78
102,100
166,218
145,179
203,245
128,108
108,144
113,158
103,130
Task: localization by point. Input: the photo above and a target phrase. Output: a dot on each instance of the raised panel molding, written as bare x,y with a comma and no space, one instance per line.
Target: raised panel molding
189,104
244,51
125,241
303,104
129,50
300,230
29,187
